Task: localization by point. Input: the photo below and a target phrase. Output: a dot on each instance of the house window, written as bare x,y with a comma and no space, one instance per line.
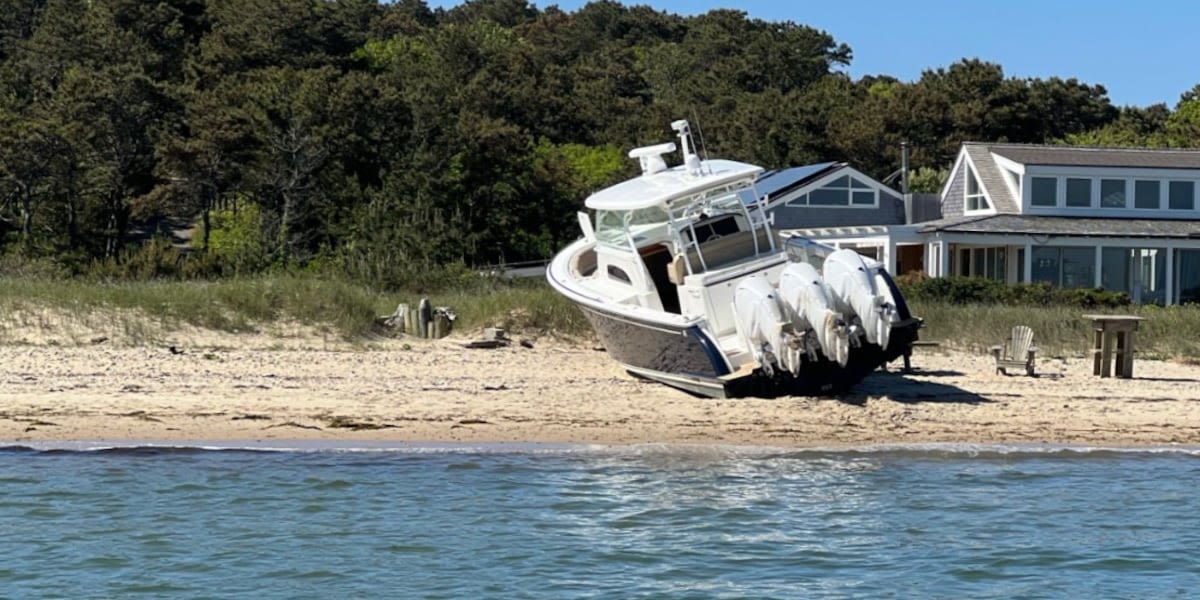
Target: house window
974,199
1139,272
1145,194
843,191
1112,193
1181,195
982,262
1188,275
1044,191
1079,192
1064,266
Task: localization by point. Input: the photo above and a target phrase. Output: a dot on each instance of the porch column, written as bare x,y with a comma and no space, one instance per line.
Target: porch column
1028,266
1012,269
1171,276
1096,274
889,255
943,258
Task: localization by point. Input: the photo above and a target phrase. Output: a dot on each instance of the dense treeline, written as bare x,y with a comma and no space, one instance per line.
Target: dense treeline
378,139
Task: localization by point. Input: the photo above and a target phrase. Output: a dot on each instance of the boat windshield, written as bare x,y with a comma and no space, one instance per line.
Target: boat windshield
613,225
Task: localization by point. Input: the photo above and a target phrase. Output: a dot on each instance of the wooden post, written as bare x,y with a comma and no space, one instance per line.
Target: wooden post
1106,354
401,318
424,315
1129,353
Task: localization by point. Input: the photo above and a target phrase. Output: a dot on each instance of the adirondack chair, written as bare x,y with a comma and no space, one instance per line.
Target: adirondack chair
1016,353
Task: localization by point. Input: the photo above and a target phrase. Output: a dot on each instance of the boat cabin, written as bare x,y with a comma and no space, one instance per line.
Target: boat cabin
678,239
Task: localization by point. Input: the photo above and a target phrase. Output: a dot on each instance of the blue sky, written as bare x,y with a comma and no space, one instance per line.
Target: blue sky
1142,52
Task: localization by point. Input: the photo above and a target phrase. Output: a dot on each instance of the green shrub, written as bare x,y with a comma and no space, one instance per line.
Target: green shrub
156,259
236,240
977,290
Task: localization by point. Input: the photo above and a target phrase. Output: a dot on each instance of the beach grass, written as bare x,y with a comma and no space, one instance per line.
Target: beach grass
344,309
523,307
1171,332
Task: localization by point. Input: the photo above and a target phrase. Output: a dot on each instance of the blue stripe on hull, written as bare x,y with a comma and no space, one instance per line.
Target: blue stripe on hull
658,347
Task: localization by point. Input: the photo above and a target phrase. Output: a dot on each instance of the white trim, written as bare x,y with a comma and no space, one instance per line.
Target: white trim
962,153
1010,167
1008,163
843,171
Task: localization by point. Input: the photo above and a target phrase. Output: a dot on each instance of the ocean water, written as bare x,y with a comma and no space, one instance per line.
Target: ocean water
566,522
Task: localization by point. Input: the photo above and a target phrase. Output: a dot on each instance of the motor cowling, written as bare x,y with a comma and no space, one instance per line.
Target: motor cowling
806,298
852,283
762,325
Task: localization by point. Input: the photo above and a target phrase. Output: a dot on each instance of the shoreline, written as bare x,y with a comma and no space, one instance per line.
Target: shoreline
416,392
551,449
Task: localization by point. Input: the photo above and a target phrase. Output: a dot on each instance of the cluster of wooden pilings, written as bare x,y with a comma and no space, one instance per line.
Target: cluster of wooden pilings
426,321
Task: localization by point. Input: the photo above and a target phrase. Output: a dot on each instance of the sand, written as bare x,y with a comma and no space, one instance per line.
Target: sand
254,388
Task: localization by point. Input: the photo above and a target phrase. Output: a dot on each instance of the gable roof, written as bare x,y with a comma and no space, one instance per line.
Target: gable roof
777,183
990,178
1080,156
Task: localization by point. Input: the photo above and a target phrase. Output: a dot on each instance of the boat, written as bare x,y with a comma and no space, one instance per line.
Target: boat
686,283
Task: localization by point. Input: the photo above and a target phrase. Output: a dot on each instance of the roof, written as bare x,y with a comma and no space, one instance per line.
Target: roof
775,183
1079,156
1067,226
991,179
667,186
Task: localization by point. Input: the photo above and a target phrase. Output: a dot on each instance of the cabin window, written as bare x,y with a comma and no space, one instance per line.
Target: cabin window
1112,193
1044,191
619,274
612,226
1181,195
1079,192
1146,194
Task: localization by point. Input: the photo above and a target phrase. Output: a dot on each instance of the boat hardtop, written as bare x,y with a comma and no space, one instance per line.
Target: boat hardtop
670,186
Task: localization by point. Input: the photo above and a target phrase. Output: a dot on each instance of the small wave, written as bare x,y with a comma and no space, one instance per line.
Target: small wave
651,451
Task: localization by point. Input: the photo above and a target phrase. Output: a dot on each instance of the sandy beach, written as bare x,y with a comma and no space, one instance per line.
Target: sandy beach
255,388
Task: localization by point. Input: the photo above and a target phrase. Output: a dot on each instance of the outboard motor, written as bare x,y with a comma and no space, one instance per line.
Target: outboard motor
807,299
762,326
853,286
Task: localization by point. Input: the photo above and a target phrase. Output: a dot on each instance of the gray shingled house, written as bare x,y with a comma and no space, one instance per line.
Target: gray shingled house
1118,218
838,204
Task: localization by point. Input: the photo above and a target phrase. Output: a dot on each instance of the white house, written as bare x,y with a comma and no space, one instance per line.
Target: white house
1118,218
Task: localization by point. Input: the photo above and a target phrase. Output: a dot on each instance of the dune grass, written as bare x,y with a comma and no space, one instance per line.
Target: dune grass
250,305
523,307
1167,332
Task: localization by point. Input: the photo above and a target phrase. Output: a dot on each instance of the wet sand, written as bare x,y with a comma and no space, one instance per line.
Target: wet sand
258,390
